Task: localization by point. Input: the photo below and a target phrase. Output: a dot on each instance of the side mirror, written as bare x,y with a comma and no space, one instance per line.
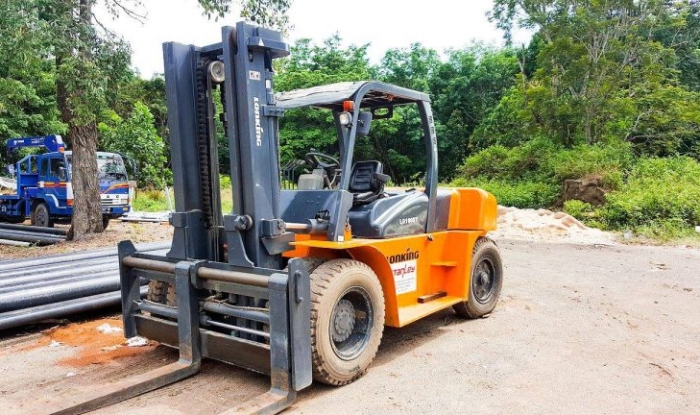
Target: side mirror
11,170
62,176
363,123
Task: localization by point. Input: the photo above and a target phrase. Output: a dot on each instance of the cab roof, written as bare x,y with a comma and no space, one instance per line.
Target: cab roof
374,95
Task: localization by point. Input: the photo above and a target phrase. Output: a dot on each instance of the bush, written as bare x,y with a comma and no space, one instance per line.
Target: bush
540,167
657,191
488,163
520,194
606,162
667,230
578,209
149,200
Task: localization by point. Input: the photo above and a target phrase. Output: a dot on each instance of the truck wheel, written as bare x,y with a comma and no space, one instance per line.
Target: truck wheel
485,281
105,222
347,320
41,216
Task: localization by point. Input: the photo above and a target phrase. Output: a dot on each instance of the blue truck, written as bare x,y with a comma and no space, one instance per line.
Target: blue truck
44,191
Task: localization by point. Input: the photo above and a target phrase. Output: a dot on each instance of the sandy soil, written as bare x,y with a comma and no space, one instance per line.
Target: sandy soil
545,225
117,231
579,329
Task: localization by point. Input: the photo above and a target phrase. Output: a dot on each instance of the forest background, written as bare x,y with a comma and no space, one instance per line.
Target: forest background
607,92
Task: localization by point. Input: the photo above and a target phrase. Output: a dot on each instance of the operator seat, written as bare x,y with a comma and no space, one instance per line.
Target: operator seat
367,181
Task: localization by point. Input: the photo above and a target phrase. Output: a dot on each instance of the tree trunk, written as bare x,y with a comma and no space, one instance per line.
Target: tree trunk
82,135
87,209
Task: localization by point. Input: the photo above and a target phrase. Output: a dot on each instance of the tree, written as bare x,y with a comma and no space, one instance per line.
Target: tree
266,13
313,65
137,138
412,68
27,77
684,39
87,61
599,69
466,89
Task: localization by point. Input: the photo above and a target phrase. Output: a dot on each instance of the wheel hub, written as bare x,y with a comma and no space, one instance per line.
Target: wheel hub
343,321
41,218
484,281
484,278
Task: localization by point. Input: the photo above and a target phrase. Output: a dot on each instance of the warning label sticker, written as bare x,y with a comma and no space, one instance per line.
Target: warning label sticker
405,274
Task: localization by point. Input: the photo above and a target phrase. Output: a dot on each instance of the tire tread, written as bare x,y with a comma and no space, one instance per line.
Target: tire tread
321,281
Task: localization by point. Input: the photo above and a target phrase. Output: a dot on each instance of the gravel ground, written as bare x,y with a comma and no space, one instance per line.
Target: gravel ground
579,329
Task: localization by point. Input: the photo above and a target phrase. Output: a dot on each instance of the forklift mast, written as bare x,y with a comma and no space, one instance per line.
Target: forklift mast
240,68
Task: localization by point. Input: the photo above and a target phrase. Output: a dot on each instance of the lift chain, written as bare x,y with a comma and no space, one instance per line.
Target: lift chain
203,140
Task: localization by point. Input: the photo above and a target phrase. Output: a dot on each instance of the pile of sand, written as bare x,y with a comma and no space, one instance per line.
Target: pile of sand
545,225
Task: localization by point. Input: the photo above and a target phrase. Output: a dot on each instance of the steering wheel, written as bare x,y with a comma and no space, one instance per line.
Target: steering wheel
321,160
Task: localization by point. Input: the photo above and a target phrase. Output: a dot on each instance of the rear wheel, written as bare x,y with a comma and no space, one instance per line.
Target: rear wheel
485,281
347,320
41,216
105,222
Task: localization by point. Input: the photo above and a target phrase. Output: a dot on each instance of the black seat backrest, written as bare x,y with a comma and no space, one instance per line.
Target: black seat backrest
363,180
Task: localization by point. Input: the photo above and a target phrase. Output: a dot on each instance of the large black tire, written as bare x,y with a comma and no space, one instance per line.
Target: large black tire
347,320
105,222
41,216
485,281
162,293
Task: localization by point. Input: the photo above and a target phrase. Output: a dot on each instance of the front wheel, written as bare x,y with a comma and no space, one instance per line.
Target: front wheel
347,320
41,216
485,281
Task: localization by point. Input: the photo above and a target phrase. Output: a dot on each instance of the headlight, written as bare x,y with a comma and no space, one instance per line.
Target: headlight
345,118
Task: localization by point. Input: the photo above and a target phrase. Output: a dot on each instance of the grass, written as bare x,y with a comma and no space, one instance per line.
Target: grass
151,200
154,200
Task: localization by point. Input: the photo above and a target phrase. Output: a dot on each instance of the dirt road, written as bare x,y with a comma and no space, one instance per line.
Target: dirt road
579,330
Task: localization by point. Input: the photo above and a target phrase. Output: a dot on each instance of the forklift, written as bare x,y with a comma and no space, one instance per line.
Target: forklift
296,283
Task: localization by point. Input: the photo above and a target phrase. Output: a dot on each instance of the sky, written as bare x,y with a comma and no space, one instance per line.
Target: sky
384,24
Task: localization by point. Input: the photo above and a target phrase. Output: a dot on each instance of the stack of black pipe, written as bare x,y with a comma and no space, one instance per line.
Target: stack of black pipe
35,289
32,234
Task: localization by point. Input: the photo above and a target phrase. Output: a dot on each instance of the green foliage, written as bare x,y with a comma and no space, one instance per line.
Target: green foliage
154,200
313,65
601,74
578,209
527,162
150,200
520,194
541,167
657,191
27,78
669,230
606,162
412,68
137,138
466,89
267,13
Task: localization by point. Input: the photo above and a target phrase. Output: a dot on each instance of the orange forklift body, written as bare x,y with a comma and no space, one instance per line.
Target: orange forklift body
420,274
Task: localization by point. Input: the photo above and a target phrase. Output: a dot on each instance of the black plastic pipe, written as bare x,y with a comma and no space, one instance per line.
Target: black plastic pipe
66,279
55,293
38,269
39,239
34,314
39,229
85,271
92,254
30,233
